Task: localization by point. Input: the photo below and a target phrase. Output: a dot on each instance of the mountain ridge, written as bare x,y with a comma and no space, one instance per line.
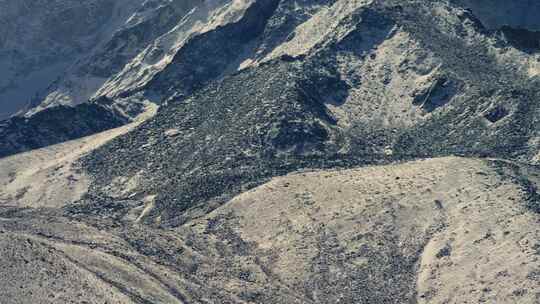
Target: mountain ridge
276,151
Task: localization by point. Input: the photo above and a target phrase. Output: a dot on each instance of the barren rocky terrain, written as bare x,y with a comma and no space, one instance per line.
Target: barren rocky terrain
445,230
271,151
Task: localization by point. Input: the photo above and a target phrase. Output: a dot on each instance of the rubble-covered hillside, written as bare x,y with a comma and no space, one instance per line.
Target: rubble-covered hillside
282,151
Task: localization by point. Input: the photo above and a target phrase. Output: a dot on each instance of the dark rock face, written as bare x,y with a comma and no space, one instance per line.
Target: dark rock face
437,95
207,56
496,114
55,125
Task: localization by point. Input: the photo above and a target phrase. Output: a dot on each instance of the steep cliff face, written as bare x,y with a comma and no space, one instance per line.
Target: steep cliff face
40,40
447,230
139,33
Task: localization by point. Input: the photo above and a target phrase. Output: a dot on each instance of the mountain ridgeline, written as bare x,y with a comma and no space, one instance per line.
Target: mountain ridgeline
308,151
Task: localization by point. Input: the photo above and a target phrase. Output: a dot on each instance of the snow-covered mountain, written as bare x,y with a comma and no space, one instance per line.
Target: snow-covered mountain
70,52
41,40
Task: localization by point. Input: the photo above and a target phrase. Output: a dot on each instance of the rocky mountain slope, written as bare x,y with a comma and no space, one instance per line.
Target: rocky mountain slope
379,87
367,151
167,51
55,125
444,230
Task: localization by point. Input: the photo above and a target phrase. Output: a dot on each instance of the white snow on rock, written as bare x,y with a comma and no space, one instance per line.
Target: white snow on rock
40,40
201,19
